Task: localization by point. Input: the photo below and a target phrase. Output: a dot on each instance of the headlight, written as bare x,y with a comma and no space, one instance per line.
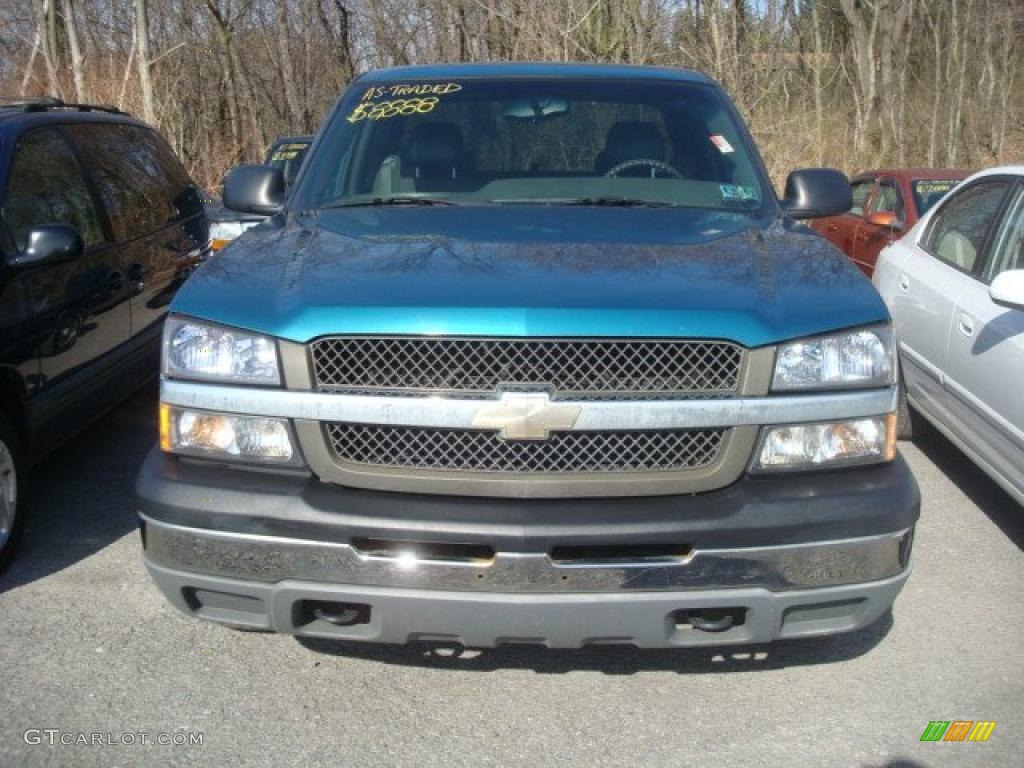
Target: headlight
223,232
226,436
195,350
823,446
864,358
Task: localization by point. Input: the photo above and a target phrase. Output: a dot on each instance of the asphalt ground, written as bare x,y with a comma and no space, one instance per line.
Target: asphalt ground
88,646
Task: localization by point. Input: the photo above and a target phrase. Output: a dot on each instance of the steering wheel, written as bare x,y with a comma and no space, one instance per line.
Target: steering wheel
644,162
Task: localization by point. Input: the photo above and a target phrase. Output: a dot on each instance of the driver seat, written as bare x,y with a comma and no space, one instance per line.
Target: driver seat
631,140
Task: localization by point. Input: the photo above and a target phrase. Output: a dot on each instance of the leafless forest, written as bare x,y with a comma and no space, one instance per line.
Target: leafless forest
850,83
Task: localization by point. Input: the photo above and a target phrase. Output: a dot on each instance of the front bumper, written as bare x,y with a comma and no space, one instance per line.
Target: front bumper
486,619
788,555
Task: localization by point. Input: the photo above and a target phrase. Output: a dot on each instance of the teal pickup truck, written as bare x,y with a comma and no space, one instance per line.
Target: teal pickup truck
530,354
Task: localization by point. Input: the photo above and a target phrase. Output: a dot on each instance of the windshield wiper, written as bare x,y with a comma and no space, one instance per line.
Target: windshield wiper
391,200
623,202
608,200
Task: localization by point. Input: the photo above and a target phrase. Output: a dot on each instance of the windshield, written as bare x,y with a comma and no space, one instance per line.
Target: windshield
520,141
288,157
927,192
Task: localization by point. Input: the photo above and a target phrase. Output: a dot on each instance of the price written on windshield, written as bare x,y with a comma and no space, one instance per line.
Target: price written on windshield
403,100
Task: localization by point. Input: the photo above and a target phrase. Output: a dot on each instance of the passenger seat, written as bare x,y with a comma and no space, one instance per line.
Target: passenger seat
956,249
433,159
436,159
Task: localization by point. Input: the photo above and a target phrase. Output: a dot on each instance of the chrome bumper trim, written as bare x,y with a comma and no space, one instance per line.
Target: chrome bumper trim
461,413
272,559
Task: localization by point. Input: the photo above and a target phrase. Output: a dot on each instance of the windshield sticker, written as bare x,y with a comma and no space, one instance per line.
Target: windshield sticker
288,151
402,100
928,187
738,193
722,143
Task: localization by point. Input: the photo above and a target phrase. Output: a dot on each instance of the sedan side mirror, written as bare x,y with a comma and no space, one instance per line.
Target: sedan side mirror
815,192
50,244
254,189
1007,290
886,219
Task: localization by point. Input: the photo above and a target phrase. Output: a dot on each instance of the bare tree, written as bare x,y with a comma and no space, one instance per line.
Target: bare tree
30,65
841,82
77,63
142,43
819,108
47,21
289,84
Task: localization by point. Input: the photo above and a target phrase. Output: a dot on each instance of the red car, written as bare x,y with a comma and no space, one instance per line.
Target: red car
885,204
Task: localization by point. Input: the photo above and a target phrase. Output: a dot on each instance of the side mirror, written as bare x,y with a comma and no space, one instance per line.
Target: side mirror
50,244
886,219
254,189
1007,290
815,192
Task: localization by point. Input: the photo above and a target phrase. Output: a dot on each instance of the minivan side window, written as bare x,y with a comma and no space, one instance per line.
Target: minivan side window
184,195
127,176
958,230
46,186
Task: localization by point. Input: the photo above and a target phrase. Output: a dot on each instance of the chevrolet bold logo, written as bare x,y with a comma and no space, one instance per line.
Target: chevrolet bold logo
526,416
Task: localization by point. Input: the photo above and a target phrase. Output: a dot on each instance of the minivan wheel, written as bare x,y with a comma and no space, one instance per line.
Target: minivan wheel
11,522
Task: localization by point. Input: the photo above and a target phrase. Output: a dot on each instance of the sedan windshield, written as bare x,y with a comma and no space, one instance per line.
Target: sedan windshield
543,141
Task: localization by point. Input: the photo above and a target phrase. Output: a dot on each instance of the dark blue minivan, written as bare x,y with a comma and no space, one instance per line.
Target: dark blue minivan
99,225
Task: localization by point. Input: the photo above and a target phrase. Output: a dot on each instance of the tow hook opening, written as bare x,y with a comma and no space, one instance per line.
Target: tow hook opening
710,619
442,650
337,614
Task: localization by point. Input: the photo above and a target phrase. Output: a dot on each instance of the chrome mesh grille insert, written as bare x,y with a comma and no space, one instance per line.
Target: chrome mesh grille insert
607,368
483,451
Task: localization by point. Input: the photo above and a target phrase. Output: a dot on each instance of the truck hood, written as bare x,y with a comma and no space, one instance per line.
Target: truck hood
531,271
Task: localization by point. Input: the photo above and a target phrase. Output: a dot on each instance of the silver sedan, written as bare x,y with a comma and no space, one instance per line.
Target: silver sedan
955,287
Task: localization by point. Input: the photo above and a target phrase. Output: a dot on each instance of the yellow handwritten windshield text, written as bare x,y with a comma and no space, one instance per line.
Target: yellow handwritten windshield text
414,89
380,110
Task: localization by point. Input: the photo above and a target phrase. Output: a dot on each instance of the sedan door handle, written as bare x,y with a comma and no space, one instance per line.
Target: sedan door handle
904,283
966,325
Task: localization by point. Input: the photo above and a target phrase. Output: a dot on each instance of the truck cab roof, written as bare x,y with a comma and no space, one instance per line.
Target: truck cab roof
574,71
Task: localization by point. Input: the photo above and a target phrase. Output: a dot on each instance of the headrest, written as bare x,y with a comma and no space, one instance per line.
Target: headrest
633,140
436,144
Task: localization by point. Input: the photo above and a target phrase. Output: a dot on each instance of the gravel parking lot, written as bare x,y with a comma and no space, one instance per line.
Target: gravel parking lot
87,645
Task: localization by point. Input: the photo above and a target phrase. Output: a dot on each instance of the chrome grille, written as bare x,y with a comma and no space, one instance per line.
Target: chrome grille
606,368
483,451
